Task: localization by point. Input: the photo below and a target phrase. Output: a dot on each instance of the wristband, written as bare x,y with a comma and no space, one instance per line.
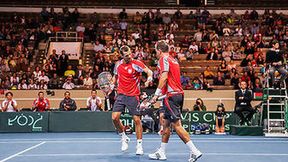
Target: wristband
150,79
158,92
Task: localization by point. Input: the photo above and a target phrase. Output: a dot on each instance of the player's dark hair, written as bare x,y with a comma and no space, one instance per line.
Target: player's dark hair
8,94
162,46
40,92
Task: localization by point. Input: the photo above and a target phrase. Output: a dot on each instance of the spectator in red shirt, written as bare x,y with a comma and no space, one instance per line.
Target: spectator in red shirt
41,103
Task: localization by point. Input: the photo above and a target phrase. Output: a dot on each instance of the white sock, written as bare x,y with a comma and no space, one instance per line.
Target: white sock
192,147
139,142
123,135
163,146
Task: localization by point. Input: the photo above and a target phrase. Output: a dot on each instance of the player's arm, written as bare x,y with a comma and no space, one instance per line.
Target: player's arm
161,84
149,76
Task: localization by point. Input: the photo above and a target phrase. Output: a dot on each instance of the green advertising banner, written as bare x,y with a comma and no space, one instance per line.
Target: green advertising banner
194,118
81,121
23,122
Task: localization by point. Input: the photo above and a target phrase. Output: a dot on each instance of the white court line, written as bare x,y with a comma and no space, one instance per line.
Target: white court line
21,152
147,141
114,138
180,153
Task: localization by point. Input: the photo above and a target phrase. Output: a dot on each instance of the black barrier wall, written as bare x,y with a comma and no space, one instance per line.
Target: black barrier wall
87,121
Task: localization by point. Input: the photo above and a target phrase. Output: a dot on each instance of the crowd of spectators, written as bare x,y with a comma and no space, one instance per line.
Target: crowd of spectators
226,37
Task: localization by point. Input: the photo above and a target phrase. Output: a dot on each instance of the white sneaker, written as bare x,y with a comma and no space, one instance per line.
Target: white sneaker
139,150
194,157
125,141
158,155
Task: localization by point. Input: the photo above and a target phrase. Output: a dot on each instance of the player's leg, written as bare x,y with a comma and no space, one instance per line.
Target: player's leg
132,103
174,104
160,153
118,108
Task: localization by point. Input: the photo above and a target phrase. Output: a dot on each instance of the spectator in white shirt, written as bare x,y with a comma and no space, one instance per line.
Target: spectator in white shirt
98,47
43,77
194,47
131,42
80,28
198,36
22,85
68,84
123,25
42,85
88,82
32,85
9,104
94,102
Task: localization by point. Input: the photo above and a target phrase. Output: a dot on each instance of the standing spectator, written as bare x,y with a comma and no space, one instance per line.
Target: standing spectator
67,104
9,104
94,102
63,62
68,84
123,14
41,103
80,29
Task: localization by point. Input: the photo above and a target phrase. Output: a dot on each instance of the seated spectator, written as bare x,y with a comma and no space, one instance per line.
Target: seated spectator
219,79
181,55
32,85
41,103
257,85
199,105
68,84
196,84
54,82
87,82
98,47
14,80
226,54
94,102
22,85
223,68
220,116
208,73
9,104
226,31
67,104
194,47
42,85
213,55
69,72
185,42
137,19
243,98
79,72
43,77
185,81
189,54
235,81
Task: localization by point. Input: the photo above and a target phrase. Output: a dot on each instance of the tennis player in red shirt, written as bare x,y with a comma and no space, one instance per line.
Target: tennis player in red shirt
127,74
41,103
173,103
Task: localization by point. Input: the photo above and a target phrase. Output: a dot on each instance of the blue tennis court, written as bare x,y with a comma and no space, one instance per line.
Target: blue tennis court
105,147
